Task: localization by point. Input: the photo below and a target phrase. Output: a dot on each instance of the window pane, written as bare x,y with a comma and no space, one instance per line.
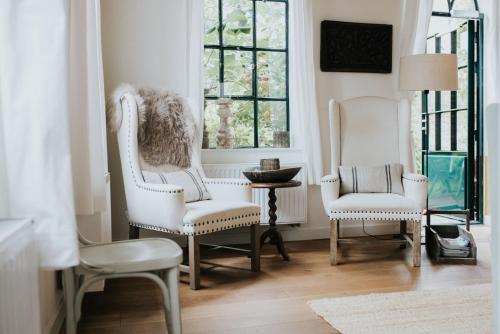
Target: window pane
238,73
211,65
272,117
211,122
211,21
445,100
464,5
271,74
432,131
271,24
445,131
462,88
462,130
446,43
462,45
237,20
440,6
242,124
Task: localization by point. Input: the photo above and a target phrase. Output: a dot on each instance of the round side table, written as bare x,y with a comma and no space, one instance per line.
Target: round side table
272,233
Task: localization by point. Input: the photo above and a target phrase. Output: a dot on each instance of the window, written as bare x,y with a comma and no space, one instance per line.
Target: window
246,60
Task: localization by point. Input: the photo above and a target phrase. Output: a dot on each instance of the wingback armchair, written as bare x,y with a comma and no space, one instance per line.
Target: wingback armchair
371,131
161,207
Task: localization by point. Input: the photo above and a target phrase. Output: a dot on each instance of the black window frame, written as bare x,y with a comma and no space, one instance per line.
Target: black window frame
254,49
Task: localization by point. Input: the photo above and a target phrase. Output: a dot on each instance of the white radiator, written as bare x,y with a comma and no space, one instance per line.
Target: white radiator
19,300
291,203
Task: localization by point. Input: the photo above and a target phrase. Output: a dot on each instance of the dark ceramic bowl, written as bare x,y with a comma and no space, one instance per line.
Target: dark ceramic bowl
257,175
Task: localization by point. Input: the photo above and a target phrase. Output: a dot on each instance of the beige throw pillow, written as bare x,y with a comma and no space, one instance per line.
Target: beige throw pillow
189,179
376,179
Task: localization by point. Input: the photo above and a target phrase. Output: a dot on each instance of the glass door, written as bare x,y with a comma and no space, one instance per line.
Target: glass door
452,125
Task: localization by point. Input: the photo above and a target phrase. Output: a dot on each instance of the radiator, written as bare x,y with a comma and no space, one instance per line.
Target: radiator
291,203
19,300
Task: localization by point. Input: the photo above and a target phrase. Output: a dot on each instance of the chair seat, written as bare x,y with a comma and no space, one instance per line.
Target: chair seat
211,216
133,255
374,206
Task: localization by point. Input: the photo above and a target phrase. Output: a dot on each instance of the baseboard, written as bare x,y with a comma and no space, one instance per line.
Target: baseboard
58,319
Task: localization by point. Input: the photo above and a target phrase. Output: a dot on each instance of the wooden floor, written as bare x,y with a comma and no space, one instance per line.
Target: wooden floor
274,300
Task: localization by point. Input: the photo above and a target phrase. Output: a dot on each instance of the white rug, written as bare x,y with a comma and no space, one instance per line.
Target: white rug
452,310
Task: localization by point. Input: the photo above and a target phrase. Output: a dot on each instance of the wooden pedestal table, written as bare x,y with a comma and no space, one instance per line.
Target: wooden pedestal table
272,233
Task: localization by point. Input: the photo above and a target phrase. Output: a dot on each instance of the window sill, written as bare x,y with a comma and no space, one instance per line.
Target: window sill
250,155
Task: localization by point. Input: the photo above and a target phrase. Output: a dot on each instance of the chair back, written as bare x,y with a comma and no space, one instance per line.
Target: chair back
369,131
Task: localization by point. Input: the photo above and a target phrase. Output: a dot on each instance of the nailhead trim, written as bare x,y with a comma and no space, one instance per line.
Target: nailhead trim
346,215
130,158
211,230
229,182
223,220
423,180
330,181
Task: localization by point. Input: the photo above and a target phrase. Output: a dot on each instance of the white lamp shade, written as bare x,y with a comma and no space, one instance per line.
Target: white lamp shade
436,72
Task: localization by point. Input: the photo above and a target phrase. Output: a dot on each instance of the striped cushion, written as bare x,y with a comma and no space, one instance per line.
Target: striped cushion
377,179
189,179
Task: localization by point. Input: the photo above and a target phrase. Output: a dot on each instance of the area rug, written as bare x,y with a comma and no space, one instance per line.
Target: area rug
455,310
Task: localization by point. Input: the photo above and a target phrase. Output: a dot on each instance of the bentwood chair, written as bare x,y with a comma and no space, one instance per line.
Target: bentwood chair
155,259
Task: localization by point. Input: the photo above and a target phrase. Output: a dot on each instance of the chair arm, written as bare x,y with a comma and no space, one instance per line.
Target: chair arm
160,205
415,187
236,190
330,188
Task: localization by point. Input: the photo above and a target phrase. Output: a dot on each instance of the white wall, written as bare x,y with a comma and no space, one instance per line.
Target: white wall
145,42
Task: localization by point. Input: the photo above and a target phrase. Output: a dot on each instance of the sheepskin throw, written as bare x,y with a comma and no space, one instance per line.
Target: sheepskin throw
166,127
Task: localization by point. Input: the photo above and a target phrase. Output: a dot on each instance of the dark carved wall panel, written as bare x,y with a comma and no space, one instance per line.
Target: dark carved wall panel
356,47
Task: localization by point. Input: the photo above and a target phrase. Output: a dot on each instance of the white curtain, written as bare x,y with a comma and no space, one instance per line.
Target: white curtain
195,35
50,119
415,19
87,108
304,115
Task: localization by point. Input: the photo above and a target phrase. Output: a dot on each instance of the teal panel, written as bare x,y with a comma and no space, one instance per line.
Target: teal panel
447,175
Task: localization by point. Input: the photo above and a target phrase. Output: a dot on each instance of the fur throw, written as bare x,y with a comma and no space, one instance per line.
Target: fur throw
166,126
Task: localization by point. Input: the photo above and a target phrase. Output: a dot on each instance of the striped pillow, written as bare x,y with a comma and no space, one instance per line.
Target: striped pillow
189,179
378,179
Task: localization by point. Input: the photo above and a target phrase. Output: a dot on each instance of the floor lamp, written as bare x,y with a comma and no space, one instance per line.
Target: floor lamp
428,72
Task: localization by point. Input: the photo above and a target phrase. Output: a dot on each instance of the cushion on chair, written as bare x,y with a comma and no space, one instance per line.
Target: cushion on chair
374,179
374,207
189,179
212,216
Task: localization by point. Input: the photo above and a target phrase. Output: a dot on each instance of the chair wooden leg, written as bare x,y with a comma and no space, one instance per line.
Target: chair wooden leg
133,232
334,242
255,245
174,324
194,262
416,243
402,231
69,297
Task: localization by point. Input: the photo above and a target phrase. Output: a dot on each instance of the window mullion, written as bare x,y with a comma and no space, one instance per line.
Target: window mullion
221,50
254,77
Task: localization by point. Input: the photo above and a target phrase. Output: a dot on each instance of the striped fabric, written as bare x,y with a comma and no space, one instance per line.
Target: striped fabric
377,179
189,179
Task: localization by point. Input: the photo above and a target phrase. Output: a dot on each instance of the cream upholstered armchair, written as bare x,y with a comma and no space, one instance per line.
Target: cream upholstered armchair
372,131
161,207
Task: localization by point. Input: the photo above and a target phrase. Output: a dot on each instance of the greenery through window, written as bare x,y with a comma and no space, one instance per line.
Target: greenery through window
246,60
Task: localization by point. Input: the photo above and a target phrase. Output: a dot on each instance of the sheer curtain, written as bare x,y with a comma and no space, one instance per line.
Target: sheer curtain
303,106
195,35
415,19
51,120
